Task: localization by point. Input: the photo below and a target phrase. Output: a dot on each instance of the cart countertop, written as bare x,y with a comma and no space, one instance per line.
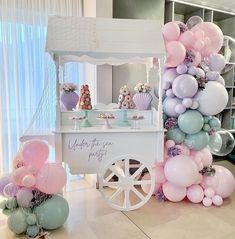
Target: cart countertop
99,129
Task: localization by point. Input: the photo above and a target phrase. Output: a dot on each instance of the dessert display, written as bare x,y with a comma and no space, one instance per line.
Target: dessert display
125,100
85,98
106,118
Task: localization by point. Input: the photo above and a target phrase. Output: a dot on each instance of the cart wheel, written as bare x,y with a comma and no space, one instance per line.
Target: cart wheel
121,188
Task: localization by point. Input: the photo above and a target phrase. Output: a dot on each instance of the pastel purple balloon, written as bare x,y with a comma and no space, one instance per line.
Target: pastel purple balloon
156,89
10,190
212,75
200,72
166,85
3,182
216,62
169,75
221,80
169,93
185,86
24,197
192,70
182,69
187,102
195,105
180,109
169,105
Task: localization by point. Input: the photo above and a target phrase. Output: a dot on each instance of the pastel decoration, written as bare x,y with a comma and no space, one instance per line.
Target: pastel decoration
209,192
19,174
169,75
17,221
180,109
46,181
3,182
176,135
217,200
207,202
192,70
187,39
173,192
195,193
210,181
29,181
169,143
24,197
160,175
226,181
197,141
10,190
191,122
185,86
35,153
221,80
187,102
176,53
181,170
216,62
206,157
169,105
32,231
182,69
192,21
171,31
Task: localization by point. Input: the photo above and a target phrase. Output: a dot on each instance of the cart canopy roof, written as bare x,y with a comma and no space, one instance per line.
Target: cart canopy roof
104,40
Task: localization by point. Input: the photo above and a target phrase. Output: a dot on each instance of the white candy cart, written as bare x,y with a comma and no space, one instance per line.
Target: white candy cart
122,154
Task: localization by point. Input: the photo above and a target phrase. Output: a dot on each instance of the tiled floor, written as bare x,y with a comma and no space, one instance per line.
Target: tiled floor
91,218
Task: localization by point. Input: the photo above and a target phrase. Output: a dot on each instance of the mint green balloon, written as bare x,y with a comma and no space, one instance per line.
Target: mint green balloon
191,122
176,135
33,231
17,222
52,213
215,123
197,141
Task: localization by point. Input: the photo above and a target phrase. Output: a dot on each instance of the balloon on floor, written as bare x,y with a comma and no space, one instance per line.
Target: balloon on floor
32,202
194,93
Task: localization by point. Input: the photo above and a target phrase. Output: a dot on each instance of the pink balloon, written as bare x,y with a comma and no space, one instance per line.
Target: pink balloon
171,31
184,149
173,192
195,193
199,34
206,157
35,153
209,192
18,161
197,59
226,181
146,187
199,179
29,181
18,175
181,170
207,202
187,39
210,181
160,175
217,200
198,46
169,143
212,32
176,53
51,178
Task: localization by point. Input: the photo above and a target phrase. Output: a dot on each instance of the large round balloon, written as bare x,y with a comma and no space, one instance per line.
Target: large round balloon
197,141
176,53
185,86
171,31
181,170
51,178
169,105
35,153
212,36
17,222
169,75
217,62
176,135
52,213
191,122
226,181
221,143
195,193
213,99
173,192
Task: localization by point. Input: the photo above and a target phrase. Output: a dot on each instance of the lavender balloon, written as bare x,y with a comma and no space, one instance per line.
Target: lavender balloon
185,86
187,102
24,197
182,69
192,70
169,75
169,93
200,72
212,75
195,105
216,62
166,85
10,190
169,105
180,109
220,79
156,89
3,182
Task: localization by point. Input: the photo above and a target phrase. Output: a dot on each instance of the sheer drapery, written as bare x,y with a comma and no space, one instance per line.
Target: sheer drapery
23,65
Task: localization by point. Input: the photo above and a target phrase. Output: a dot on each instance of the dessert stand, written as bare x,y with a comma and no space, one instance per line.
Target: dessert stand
110,153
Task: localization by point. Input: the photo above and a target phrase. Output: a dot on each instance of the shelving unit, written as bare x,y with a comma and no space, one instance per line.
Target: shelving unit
182,11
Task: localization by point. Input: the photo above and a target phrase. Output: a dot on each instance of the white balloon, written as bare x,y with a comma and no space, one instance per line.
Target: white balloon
213,99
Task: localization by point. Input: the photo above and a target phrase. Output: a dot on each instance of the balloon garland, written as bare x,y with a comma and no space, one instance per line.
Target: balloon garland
32,203
194,92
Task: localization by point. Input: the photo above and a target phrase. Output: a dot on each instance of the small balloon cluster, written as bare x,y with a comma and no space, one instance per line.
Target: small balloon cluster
194,92
32,204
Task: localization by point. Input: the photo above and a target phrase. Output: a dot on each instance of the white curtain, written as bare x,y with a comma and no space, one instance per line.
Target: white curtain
24,64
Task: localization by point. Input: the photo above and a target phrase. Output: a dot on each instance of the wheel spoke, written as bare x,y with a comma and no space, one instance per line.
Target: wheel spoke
127,164
114,195
108,184
109,177
138,171
143,182
140,195
127,202
114,170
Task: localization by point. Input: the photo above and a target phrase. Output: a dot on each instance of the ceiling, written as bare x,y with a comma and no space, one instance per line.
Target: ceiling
226,5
